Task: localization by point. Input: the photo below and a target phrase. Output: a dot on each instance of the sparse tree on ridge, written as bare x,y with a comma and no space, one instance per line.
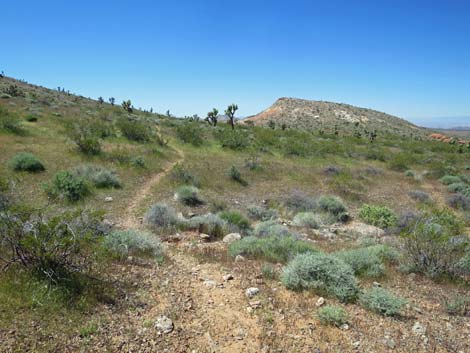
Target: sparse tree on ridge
212,117
112,100
100,100
127,106
230,112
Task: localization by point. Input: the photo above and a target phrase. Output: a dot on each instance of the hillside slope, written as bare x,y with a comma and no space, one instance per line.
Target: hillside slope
315,115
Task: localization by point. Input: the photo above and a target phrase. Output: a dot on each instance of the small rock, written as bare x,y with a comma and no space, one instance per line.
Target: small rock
108,199
356,344
251,292
344,327
239,258
255,304
418,329
320,302
209,283
230,238
228,277
204,236
376,284
164,324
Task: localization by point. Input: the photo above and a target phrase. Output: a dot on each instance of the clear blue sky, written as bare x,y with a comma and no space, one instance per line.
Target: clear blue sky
409,58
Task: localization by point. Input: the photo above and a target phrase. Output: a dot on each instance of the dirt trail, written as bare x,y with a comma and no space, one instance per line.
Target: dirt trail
131,218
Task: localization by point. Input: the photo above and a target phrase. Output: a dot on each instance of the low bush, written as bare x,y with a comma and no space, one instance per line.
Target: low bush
379,216
458,187
31,118
137,161
182,175
271,228
307,220
235,140
271,248
459,306
261,213
235,175
419,195
450,179
69,186
269,271
99,176
161,217
381,301
190,132
335,207
459,201
10,122
300,202
400,162
189,195
131,242
52,247
210,224
321,272
135,130
236,219
332,315
27,162
82,133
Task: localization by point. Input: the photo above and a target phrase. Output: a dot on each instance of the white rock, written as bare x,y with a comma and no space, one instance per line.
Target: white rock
418,329
108,199
164,324
228,277
239,258
320,302
209,283
230,238
251,292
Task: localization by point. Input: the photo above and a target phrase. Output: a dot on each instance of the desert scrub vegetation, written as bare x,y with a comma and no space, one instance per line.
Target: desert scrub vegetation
262,214
10,122
420,196
66,185
233,139
300,202
236,220
135,129
381,301
458,306
334,207
210,224
191,133
434,246
189,195
307,220
161,217
26,162
181,175
85,137
323,273
450,179
131,242
271,248
379,216
235,175
332,315
99,176
270,228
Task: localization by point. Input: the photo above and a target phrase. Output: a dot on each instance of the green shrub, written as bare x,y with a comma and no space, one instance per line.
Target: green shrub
182,175
300,202
69,186
124,243
321,272
237,219
85,137
51,247
457,187
262,214
31,118
99,176
190,132
332,315
364,261
27,162
381,301
400,162
379,216
138,161
161,216
307,220
189,195
271,248
459,306
235,175
135,130
419,195
432,246
209,224
235,140
271,228
10,122
335,207
450,179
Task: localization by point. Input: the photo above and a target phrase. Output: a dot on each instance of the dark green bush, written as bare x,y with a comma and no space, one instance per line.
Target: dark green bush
381,301
379,216
335,207
27,162
321,272
69,186
10,122
190,132
189,195
237,219
271,248
135,130
235,175
233,139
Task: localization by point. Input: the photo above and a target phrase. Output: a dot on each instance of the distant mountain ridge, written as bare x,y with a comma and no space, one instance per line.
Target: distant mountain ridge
315,115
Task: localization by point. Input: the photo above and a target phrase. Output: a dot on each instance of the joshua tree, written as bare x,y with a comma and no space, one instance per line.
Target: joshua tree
112,100
272,124
230,112
168,113
2,74
100,100
127,106
212,117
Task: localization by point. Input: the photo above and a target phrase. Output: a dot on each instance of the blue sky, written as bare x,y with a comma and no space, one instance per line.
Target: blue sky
408,58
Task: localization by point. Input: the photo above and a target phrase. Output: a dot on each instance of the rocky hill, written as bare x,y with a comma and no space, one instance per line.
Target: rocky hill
320,115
